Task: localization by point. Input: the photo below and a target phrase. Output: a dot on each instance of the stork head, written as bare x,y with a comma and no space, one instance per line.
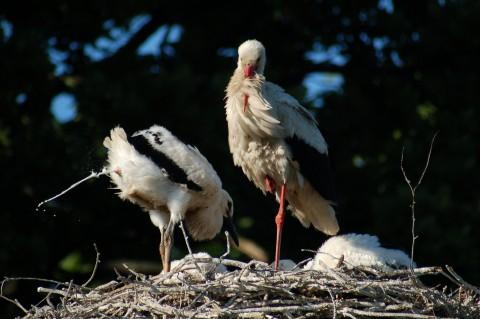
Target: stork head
228,224
251,58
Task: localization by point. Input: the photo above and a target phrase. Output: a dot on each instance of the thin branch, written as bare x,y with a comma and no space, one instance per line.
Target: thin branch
428,160
300,264
460,281
413,190
53,291
46,298
334,304
34,279
136,274
97,261
15,302
185,236
379,314
93,174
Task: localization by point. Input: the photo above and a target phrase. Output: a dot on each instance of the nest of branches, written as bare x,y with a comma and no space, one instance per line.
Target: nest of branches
253,290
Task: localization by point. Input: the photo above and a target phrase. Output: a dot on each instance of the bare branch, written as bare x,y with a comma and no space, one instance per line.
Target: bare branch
97,261
413,189
427,162
460,281
333,303
185,236
15,302
377,314
93,174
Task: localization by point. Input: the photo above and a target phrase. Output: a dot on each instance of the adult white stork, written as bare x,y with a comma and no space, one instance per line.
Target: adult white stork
278,145
173,181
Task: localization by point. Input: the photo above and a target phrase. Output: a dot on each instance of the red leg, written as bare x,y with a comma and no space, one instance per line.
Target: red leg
270,184
245,102
279,220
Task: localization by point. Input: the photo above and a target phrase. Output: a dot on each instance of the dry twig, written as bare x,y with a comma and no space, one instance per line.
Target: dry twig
253,290
413,189
97,261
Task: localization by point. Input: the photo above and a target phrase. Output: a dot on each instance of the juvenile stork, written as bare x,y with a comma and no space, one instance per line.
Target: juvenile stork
357,250
170,180
278,145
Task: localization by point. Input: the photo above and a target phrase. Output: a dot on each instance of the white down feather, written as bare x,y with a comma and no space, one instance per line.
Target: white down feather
357,250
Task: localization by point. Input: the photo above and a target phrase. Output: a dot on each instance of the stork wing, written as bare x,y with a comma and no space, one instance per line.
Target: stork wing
294,118
314,166
183,163
306,142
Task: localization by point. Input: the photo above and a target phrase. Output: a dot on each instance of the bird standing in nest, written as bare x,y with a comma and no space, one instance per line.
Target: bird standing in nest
173,181
278,145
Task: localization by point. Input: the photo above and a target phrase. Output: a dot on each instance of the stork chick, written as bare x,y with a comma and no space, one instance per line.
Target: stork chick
170,180
357,250
278,145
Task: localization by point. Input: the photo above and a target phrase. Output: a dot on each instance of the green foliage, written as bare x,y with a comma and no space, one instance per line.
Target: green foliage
75,263
407,73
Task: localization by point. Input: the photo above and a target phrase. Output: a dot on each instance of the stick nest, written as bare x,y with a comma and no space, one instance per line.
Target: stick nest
254,290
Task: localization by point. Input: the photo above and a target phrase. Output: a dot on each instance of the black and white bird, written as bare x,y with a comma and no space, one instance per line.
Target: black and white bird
278,145
172,181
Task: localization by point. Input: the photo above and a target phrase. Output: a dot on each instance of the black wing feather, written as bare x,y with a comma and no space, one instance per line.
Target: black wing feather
314,166
175,173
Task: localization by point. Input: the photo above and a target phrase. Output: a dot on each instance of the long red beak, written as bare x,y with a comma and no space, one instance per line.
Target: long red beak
249,71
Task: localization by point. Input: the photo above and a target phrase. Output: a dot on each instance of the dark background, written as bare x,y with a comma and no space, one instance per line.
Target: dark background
379,76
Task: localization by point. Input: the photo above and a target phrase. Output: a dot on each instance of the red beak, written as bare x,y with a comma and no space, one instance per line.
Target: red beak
249,71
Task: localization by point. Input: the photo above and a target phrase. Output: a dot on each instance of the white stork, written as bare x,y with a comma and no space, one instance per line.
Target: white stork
187,266
356,250
278,145
173,181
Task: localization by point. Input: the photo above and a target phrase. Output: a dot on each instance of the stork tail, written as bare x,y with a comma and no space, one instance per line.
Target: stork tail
311,208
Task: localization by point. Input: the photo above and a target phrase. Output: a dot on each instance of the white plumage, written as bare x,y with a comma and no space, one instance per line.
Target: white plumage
187,267
286,265
172,181
277,143
354,250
